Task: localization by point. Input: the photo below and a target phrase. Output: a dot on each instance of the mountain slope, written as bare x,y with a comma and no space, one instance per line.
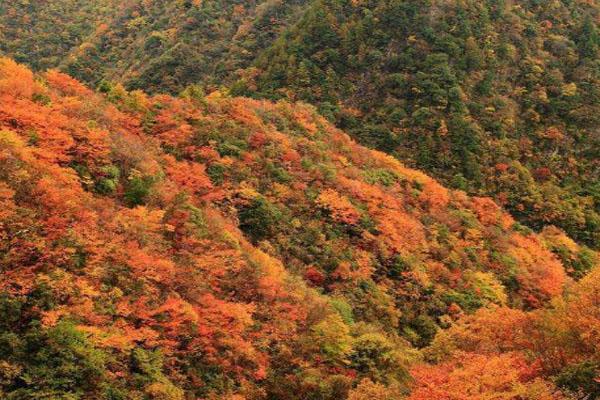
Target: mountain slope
43,33
215,247
160,46
497,98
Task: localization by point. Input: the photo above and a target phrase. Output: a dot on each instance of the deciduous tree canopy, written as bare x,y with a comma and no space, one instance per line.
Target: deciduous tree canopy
164,238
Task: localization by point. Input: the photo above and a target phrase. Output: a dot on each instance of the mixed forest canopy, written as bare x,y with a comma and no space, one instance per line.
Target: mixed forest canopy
304,199
496,97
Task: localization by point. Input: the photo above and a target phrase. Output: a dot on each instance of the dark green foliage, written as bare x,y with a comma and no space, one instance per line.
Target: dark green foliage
216,173
260,219
37,362
579,378
421,330
373,355
109,182
578,265
137,190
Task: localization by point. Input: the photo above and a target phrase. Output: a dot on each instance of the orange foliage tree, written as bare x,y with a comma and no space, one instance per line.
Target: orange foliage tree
473,377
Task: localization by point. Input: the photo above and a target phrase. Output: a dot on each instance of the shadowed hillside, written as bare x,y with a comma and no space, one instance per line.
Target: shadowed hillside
495,97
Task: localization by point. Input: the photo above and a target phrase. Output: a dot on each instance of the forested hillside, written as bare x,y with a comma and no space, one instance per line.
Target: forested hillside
43,33
167,45
159,46
300,200
494,97
215,247
498,98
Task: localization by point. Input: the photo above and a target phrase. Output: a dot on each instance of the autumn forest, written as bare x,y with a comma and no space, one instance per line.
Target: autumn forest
300,200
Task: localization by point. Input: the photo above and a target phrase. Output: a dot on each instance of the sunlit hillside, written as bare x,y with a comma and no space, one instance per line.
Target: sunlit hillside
216,247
